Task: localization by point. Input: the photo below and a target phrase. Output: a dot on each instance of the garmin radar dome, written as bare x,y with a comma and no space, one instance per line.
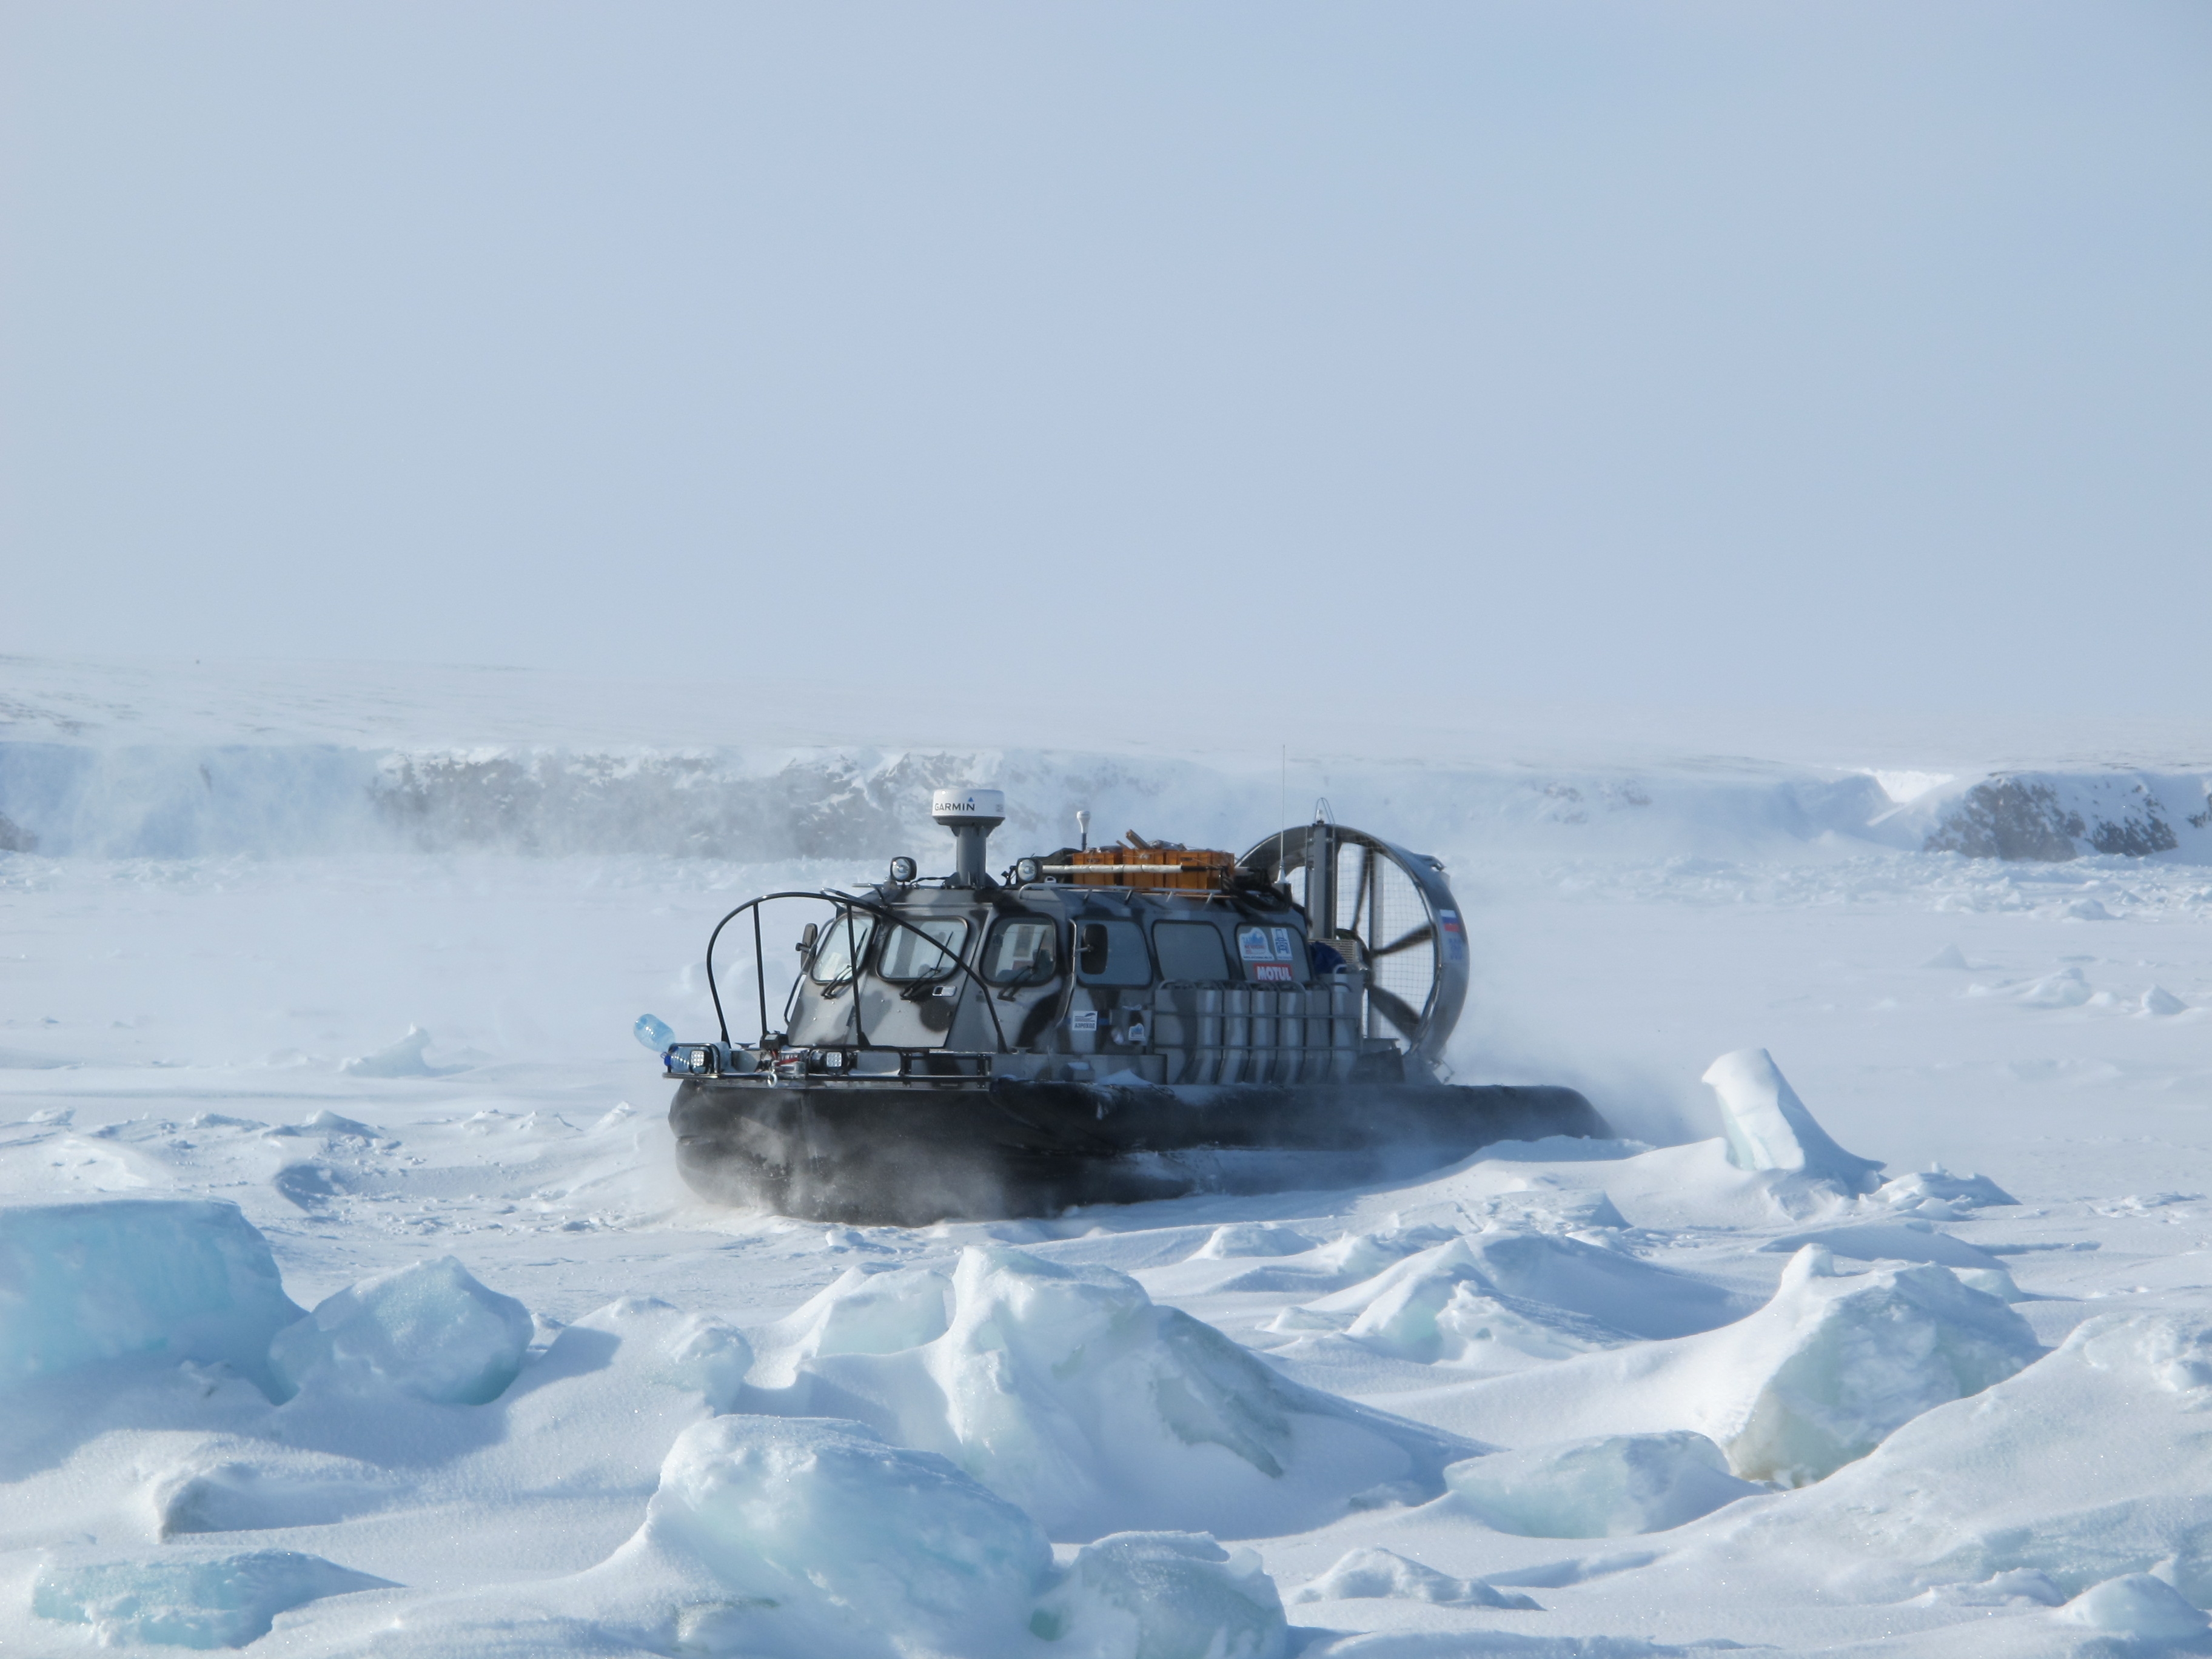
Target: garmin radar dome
1092,1025
971,815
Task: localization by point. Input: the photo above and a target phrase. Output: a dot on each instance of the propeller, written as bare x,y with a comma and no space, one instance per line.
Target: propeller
1396,1010
1420,935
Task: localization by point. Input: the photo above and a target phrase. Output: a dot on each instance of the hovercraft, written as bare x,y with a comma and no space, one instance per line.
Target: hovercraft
1097,1025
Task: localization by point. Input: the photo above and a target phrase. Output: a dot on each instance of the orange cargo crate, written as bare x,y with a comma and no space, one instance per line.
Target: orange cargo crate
1094,868
1199,869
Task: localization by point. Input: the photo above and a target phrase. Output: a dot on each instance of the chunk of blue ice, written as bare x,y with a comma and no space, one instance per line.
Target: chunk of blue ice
1612,1486
188,1600
185,1277
430,1331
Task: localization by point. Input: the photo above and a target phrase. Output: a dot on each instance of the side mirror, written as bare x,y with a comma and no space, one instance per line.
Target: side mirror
806,937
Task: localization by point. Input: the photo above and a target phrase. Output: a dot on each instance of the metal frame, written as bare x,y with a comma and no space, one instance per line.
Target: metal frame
848,903
1427,1028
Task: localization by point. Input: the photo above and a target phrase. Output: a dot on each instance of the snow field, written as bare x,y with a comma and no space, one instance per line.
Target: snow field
882,1471
1484,1386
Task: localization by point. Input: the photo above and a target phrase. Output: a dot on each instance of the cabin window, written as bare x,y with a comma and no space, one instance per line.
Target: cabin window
1190,950
1021,952
927,950
834,948
1112,953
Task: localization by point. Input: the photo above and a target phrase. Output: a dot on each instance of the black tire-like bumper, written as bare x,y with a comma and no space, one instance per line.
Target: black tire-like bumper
909,1155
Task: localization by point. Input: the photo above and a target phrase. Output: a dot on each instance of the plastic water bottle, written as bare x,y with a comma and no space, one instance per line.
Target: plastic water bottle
652,1033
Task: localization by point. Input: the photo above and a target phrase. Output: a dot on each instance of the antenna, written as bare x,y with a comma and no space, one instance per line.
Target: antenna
1282,812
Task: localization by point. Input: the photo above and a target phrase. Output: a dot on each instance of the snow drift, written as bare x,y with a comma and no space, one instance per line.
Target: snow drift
1828,1368
1068,1391
1814,1380
2088,1466
1480,1301
1373,1574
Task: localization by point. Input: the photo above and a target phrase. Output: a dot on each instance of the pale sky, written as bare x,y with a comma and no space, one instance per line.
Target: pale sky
1798,352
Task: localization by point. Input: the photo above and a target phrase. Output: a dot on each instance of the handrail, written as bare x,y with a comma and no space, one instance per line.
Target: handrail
848,902
1123,870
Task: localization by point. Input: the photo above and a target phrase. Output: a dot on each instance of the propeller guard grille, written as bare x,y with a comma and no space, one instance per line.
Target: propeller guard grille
1396,911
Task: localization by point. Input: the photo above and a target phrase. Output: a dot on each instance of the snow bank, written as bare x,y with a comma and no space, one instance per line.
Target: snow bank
2067,988
1812,1380
596,1416
1768,1127
1439,1306
2090,1465
1939,1195
1474,1301
430,1331
2136,1604
241,1485
1344,1261
1886,1241
1070,1392
401,1059
188,1599
1612,1486
1244,1238
818,1539
1820,1375
84,1282
1603,1284
1376,1574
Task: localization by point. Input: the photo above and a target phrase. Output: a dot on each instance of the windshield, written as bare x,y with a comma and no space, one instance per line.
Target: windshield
924,950
833,950
1021,953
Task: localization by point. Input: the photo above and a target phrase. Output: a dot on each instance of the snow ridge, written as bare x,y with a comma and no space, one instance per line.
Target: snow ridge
186,801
